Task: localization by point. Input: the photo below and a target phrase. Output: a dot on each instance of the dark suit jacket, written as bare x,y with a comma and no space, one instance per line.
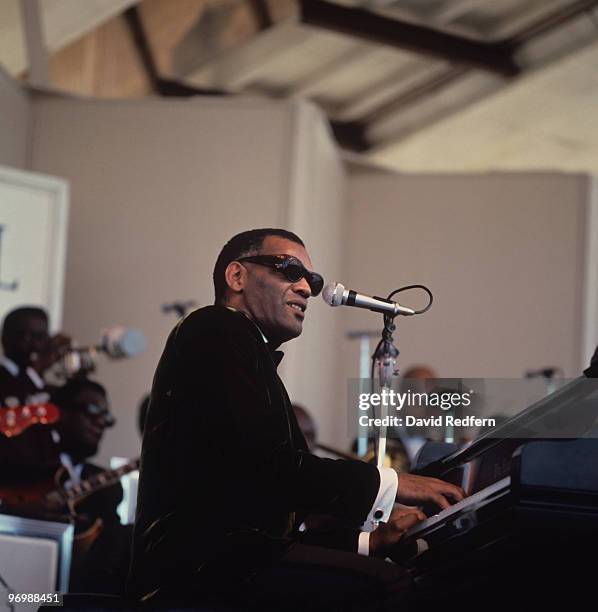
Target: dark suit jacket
32,455
224,466
103,568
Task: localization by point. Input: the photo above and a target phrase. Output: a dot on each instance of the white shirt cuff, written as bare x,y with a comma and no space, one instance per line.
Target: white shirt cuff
363,544
383,504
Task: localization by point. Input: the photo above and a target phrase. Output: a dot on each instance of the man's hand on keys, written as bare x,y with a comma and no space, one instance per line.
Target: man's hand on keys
417,490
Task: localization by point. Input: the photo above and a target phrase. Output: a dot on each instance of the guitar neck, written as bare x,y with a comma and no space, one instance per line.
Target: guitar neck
98,481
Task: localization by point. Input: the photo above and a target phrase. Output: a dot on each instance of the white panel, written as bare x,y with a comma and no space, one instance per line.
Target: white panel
33,219
590,286
27,565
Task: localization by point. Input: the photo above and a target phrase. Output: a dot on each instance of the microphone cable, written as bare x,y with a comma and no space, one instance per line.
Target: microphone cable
390,327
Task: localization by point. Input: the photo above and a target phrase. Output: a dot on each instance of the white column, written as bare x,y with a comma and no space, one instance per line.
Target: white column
589,330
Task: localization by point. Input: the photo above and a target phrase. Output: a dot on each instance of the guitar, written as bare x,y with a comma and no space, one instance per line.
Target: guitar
53,497
14,421
52,493
74,495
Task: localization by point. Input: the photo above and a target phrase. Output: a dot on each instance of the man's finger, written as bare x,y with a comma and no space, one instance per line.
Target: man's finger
440,501
406,522
403,513
447,488
452,491
417,515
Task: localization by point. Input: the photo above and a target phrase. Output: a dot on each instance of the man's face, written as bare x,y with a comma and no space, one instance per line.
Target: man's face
82,431
29,336
276,304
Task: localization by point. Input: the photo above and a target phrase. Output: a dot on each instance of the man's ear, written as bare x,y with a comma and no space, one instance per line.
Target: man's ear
235,276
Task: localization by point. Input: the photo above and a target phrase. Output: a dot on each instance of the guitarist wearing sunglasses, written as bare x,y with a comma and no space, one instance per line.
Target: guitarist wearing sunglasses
99,536
226,476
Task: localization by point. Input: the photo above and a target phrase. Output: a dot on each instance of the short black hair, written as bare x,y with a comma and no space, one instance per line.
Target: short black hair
12,320
241,245
65,396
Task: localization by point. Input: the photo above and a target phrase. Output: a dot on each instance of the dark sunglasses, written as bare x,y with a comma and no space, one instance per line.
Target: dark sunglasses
94,410
292,269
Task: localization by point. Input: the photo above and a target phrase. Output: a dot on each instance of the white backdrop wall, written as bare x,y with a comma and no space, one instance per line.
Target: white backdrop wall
157,187
14,122
502,253
318,212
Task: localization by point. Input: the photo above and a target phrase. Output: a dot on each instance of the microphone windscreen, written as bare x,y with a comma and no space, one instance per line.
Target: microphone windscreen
120,342
333,294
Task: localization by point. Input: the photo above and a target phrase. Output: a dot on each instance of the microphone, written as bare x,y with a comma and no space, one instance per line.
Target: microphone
117,342
544,373
335,294
122,342
179,308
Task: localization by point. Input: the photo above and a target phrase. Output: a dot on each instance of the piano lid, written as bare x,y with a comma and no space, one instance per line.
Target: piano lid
570,412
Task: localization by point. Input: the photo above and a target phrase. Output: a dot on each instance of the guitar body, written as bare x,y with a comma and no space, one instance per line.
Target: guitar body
14,421
52,501
24,495
43,493
84,540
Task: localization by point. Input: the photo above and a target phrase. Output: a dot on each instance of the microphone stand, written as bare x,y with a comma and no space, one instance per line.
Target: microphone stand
9,591
385,358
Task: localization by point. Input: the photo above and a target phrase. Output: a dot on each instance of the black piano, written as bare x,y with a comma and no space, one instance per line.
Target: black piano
526,537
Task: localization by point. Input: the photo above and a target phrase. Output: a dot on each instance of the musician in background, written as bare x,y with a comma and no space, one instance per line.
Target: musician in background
418,379
85,416
420,372
29,351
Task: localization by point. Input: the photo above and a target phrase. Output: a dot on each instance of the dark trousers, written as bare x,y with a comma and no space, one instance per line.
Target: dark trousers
311,578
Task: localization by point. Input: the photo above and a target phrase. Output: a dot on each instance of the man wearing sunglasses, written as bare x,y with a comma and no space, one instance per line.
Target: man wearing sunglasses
226,476
85,416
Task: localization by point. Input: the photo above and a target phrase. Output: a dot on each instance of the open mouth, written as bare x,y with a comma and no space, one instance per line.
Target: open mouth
297,307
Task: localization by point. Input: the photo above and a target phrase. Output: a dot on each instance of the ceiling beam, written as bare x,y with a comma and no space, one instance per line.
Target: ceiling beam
494,57
350,135
262,13
388,88
313,81
160,85
456,8
430,86
37,53
552,20
236,68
